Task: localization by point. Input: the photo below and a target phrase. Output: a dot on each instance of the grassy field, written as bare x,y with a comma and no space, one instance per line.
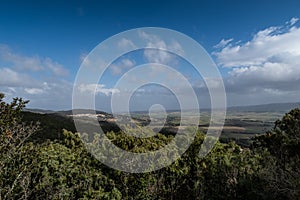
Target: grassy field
239,126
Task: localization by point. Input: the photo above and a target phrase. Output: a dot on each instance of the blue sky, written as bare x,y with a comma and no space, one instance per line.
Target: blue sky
255,44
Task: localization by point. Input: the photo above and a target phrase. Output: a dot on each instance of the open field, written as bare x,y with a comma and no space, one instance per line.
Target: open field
239,126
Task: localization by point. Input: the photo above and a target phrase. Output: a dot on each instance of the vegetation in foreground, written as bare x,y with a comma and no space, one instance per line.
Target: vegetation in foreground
63,169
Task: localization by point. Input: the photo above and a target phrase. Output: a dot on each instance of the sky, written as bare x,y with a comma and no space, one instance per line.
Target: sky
255,45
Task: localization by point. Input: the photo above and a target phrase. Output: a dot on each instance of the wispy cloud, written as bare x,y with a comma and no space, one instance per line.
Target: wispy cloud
12,78
56,68
119,67
97,89
18,61
25,63
293,21
34,90
125,44
39,79
158,49
223,43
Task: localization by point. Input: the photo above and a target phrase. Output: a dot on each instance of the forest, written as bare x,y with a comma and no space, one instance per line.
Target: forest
33,167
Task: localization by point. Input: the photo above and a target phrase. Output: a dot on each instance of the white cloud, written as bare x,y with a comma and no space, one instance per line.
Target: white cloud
115,70
158,49
265,45
44,88
82,56
18,61
176,47
11,78
157,56
26,63
55,67
31,77
293,21
119,67
34,90
8,91
126,44
267,66
128,63
223,43
56,95
97,89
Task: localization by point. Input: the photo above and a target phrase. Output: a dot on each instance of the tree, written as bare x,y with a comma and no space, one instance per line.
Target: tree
281,172
283,141
15,154
65,170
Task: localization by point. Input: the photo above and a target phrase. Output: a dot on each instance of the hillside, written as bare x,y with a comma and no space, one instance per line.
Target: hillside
273,107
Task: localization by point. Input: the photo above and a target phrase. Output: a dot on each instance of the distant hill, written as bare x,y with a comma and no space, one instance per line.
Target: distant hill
65,112
273,107
51,124
40,111
82,111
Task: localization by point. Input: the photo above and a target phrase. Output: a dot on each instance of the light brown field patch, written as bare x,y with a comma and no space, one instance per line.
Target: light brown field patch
235,128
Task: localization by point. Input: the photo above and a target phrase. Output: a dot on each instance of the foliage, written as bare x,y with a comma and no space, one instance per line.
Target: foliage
282,171
284,139
15,153
69,172
65,169
51,125
10,112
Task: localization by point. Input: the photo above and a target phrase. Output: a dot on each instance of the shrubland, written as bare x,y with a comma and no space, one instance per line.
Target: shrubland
63,168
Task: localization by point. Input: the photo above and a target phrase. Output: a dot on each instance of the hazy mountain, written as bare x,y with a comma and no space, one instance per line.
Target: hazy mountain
273,107
66,112
41,111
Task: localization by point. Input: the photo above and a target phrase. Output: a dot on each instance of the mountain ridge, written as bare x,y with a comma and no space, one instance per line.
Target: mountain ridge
270,107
